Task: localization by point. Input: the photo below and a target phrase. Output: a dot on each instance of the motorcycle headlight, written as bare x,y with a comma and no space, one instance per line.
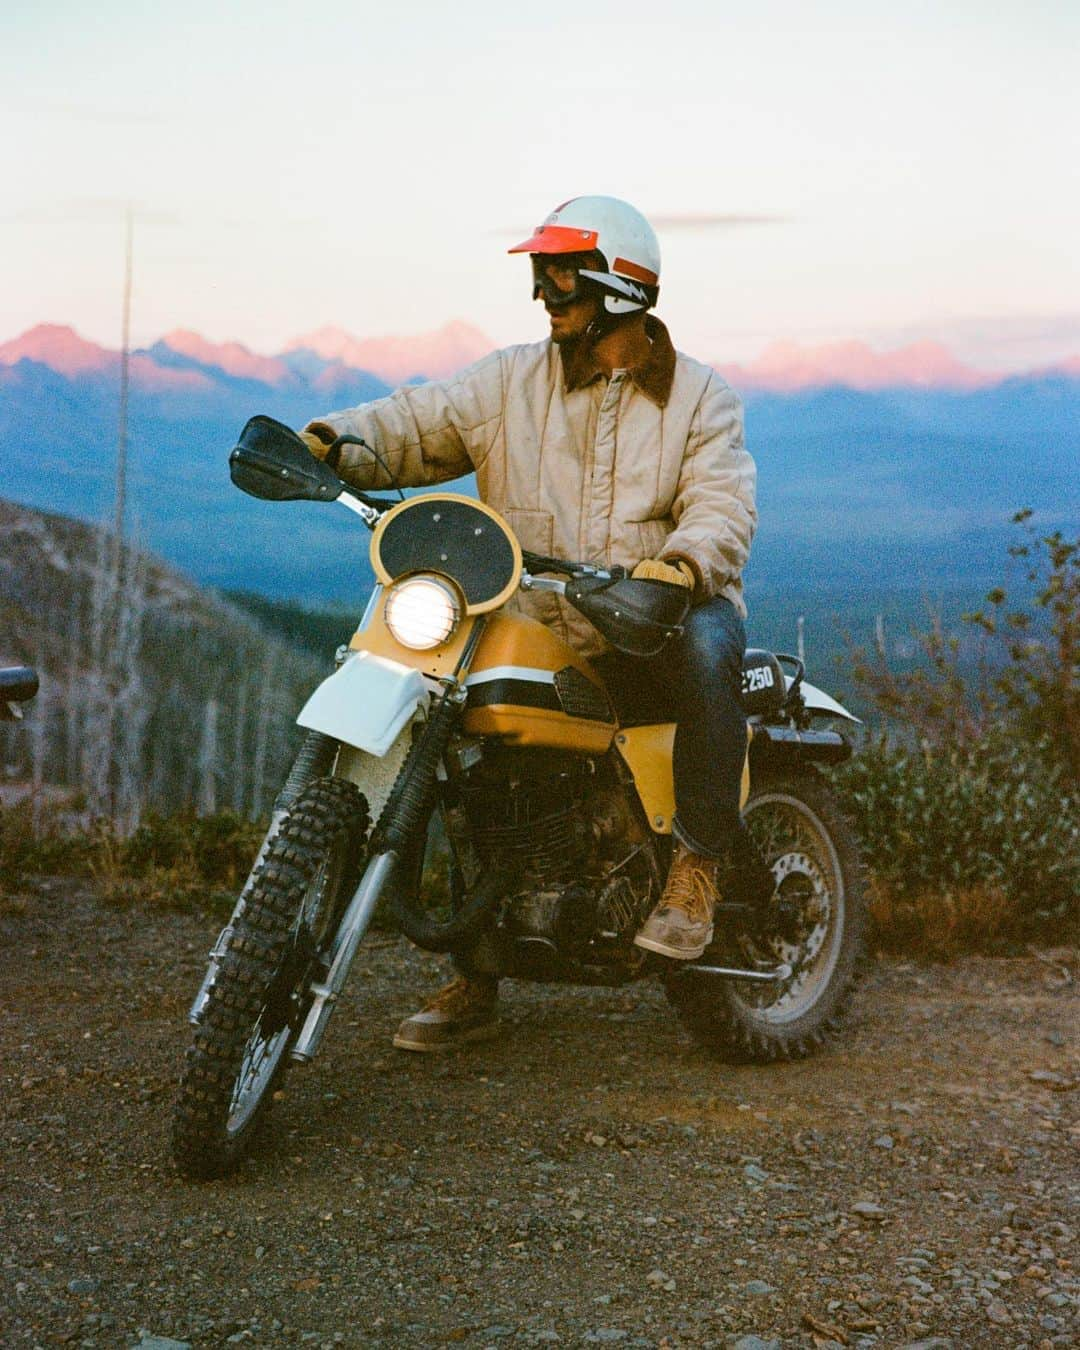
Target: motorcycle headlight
421,613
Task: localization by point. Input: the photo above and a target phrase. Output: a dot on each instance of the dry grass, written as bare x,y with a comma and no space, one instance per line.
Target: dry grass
170,862
941,924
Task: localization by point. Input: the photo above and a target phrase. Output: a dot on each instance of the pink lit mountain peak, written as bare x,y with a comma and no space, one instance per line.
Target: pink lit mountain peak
59,347
231,357
62,350
786,367
394,359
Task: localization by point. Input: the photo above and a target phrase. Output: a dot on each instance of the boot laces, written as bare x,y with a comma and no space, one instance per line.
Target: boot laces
460,996
691,886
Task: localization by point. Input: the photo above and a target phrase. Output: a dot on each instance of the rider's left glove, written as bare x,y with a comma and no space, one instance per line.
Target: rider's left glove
318,438
676,573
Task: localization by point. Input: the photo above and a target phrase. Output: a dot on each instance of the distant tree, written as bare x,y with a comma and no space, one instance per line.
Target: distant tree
1028,674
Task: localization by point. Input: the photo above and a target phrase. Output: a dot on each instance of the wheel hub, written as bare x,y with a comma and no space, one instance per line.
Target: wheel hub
803,904
290,981
800,925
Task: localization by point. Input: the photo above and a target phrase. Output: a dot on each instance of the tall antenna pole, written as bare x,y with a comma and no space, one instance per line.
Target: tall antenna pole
125,365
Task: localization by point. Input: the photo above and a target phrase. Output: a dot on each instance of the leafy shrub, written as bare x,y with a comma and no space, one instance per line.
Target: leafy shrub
1027,670
969,845
178,861
968,805
42,844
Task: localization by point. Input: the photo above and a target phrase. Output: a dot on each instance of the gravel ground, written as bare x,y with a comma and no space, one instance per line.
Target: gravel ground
590,1179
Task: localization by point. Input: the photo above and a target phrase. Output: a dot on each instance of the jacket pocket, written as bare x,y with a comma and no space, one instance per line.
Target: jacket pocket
535,530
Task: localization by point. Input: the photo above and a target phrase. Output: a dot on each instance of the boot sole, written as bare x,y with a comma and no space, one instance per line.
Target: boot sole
487,1032
675,953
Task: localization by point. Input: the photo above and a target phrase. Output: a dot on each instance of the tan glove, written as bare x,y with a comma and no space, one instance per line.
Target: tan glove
674,573
317,442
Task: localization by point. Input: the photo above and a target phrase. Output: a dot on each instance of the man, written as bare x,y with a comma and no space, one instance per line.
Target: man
606,445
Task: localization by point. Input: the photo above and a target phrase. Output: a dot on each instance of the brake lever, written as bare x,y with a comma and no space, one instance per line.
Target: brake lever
369,509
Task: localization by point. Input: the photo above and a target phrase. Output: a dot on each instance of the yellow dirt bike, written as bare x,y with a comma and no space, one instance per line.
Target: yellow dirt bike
449,716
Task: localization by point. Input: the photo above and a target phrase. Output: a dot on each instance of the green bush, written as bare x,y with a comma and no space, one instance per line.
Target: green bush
968,804
40,845
969,845
217,849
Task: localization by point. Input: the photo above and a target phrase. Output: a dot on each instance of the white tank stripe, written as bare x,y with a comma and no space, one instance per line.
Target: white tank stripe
529,673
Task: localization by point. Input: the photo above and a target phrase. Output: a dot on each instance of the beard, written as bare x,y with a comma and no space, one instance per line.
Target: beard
571,323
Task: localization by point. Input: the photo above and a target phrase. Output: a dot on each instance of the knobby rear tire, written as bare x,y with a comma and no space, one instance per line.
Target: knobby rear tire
803,833
297,897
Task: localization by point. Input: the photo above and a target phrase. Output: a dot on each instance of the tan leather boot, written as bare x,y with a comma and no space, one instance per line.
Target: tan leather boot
681,925
464,1011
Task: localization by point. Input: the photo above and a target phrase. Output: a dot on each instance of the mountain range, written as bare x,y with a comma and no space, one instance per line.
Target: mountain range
330,356
876,469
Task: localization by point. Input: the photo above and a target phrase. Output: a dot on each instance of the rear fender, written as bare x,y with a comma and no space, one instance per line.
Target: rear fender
818,701
786,744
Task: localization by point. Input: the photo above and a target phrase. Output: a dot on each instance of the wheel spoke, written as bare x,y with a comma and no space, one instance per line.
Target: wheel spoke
262,1054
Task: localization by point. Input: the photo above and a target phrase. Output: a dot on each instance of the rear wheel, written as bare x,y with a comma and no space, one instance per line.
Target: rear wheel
817,927
260,997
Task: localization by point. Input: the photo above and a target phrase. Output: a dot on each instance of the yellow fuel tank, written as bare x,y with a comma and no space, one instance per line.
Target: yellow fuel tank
530,688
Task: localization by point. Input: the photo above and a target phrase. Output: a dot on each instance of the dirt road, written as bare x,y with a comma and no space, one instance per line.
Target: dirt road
589,1179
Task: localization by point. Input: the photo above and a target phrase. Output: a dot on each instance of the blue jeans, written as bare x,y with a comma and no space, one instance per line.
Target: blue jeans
697,682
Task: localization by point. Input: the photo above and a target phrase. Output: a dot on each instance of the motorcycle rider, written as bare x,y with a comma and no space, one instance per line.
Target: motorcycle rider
605,444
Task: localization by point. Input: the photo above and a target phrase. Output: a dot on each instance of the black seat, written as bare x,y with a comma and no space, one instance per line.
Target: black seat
642,696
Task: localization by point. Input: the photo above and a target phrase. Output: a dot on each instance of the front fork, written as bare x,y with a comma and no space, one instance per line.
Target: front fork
404,814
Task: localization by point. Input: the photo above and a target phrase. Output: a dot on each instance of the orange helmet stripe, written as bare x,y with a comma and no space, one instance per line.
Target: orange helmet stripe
635,270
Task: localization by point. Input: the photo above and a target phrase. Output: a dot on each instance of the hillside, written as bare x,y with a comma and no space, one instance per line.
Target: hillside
166,696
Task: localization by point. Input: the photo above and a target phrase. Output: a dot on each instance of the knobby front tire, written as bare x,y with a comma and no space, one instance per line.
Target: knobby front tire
259,1000
804,836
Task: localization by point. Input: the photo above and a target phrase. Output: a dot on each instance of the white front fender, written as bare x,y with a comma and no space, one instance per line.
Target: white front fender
365,703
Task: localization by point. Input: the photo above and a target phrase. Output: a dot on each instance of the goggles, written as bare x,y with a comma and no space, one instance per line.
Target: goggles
557,277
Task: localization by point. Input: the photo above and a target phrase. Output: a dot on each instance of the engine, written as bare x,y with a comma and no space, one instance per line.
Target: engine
531,813
586,867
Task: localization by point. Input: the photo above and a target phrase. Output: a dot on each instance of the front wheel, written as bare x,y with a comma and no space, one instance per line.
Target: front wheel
818,928
259,999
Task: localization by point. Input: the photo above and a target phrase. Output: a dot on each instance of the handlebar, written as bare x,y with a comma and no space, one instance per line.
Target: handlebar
541,562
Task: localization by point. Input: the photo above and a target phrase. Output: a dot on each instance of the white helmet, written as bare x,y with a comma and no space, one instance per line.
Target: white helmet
630,279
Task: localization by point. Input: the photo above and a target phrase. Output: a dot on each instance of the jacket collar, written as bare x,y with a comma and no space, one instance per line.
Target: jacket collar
654,376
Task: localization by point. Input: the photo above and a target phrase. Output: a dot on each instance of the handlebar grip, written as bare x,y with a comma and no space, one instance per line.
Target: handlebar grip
18,684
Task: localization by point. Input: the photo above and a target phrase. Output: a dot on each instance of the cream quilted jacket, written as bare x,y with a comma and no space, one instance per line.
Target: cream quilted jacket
647,464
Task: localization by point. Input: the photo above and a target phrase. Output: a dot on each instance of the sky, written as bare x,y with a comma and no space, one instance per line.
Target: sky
845,169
